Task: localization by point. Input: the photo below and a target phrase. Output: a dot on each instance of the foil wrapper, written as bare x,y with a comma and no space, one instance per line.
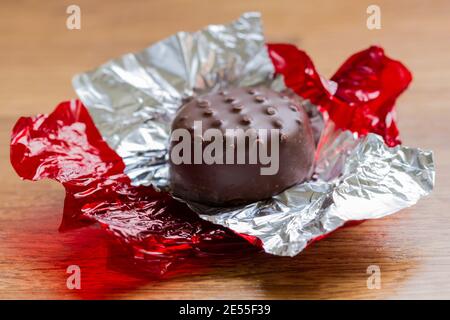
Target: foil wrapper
361,173
134,98
356,179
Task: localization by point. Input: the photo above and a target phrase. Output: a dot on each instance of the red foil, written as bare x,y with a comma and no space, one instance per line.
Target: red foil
67,147
368,84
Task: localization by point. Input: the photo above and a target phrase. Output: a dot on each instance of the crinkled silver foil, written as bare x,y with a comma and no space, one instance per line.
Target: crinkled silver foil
357,179
133,100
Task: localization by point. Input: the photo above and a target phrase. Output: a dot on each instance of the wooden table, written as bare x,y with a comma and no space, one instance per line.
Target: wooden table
38,57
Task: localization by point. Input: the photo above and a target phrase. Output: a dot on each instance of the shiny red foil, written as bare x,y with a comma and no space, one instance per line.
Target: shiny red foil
368,84
67,147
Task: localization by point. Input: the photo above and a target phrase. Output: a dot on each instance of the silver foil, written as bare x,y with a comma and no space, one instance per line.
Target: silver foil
356,179
134,98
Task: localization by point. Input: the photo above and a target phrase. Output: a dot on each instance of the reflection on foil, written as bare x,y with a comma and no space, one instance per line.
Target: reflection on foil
365,180
133,100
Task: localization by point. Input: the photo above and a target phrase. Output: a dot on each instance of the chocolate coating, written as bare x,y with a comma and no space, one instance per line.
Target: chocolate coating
243,108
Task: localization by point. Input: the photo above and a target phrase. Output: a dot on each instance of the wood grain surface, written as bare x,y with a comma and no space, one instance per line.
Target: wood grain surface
38,57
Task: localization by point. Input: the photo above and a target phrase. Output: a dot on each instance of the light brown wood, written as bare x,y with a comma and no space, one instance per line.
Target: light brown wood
38,57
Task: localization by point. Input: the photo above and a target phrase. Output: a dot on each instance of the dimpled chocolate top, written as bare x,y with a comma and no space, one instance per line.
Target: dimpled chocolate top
244,108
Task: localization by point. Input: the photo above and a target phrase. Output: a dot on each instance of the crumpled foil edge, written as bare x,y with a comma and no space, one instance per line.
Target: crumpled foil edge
376,181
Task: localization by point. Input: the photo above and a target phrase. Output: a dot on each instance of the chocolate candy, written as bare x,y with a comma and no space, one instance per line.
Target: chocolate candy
267,120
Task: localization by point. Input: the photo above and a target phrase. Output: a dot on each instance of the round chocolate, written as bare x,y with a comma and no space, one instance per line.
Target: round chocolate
230,182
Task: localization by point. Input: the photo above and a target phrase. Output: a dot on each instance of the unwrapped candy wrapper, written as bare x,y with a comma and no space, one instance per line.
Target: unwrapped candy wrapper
110,150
